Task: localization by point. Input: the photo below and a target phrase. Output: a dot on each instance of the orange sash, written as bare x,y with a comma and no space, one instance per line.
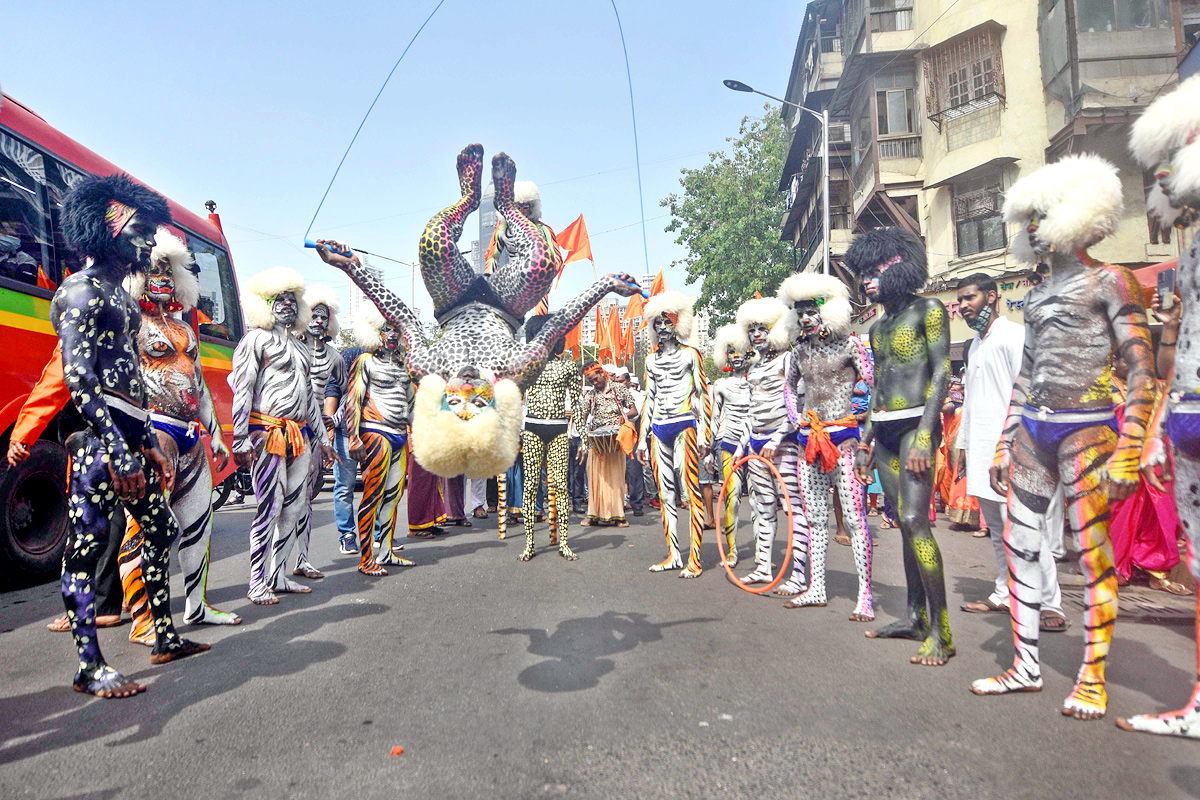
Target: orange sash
280,433
820,446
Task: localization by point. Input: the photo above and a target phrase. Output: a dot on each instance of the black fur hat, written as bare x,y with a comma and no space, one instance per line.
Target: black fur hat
534,325
83,211
869,249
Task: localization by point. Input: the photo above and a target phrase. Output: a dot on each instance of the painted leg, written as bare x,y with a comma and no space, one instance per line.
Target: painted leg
1082,457
304,567
789,469
1032,482
915,624
191,503
375,471
129,563
764,499
556,476
814,496
686,456
389,507
267,475
1185,721
729,511
667,494
502,504
854,517
532,264
446,273
91,503
533,452
295,505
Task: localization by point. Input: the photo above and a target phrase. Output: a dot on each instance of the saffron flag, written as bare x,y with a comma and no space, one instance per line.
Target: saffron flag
615,339
574,239
658,285
571,340
627,344
635,309
758,295
602,344
43,280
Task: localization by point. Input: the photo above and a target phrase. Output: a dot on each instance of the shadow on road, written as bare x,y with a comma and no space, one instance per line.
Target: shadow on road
1188,779
576,647
583,542
55,718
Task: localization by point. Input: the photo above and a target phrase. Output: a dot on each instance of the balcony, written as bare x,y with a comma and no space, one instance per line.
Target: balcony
865,19
810,241
908,146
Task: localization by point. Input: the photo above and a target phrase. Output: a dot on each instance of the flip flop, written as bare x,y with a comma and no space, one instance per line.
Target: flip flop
1159,584
982,533
1051,615
983,607
420,534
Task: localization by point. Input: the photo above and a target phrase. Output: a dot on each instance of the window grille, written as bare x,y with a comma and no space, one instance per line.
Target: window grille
963,74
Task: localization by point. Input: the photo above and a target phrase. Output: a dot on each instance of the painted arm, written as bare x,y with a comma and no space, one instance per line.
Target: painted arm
356,394
1002,461
1128,321
393,309
586,404
865,456
862,361
574,382
208,414
527,361
718,409
792,380
76,314
243,377
937,348
648,406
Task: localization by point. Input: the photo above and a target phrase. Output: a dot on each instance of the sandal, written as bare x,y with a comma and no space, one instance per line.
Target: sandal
982,533
1061,622
1161,584
842,539
412,534
984,607
479,513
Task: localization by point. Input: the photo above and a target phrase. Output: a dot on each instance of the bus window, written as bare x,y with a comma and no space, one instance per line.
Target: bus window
219,309
24,236
60,180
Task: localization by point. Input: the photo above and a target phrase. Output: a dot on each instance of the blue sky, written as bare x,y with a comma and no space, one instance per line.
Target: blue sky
251,104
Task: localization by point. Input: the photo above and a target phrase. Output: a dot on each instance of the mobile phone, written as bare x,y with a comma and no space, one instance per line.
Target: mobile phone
1166,288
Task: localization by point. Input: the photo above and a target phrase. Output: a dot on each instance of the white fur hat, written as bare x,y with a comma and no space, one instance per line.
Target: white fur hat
187,285
830,292
368,323
729,336
527,192
769,311
321,295
1167,124
261,288
671,302
1078,199
481,447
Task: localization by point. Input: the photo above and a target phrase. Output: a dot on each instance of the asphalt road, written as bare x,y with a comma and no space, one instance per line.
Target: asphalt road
586,679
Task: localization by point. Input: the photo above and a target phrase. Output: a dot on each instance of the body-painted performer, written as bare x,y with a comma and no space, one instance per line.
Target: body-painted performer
544,441
467,413
111,221
1061,425
732,353
377,413
277,425
1164,139
677,413
768,432
828,428
180,407
327,365
911,343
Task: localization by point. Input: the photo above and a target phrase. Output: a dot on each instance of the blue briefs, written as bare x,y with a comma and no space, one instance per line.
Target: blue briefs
185,434
1183,425
1049,428
838,437
394,438
666,432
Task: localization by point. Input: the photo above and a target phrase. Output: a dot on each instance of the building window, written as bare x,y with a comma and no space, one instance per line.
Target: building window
896,111
891,15
1123,15
977,220
964,74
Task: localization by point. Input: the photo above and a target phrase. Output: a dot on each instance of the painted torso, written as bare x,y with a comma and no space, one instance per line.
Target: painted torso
547,398
732,403
673,374
834,364
282,387
1187,351
766,379
168,350
388,396
902,354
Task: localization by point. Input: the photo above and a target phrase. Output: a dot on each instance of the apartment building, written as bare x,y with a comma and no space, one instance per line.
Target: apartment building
947,103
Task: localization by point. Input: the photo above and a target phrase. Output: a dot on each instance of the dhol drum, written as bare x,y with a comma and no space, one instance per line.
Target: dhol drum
604,440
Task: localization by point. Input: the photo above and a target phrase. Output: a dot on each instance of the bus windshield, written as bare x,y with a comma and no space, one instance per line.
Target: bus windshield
218,308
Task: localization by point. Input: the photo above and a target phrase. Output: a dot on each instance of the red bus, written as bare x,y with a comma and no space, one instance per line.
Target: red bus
38,166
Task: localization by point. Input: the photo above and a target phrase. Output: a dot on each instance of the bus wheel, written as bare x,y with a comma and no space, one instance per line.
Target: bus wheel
33,516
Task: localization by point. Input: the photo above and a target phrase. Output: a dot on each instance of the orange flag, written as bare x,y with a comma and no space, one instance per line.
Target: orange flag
43,280
615,339
758,295
572,339
658,285
601,337
574,239
627,344
635,309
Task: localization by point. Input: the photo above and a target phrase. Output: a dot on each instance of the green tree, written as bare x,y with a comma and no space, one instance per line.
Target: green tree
728,217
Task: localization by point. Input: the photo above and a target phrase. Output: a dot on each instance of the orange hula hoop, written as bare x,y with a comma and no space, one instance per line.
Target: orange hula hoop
787,504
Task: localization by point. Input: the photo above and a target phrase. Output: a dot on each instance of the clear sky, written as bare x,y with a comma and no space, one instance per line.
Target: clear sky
252,103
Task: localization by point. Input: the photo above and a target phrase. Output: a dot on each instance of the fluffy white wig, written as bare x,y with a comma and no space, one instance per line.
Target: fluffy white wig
482,447
368,324
187,285
258,292
527,192
830,292
1167,124
1159,206
671,302
321,295
729,336
1077,198
769,311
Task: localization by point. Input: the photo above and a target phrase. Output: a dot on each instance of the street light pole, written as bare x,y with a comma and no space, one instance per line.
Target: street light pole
823,116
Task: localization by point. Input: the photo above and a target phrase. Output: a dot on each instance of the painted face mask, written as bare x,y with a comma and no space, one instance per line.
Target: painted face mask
318,325
467,397
285,308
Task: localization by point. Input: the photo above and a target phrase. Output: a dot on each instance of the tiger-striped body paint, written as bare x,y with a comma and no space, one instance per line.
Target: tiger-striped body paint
677,412
731,405
326,363
271,376
378,405
1078,320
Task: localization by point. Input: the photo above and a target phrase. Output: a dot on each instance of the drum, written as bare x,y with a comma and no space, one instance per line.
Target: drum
604,440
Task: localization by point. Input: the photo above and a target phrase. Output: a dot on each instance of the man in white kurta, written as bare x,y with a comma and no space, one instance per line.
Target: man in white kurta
993,359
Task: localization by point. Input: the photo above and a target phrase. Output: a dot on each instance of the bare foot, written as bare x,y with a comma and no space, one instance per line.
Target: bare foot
672,562
1086,702
933,653
755,578
690,572
308,571
901,629
290,587
107,683
263,598
146,637
374,570
859,616
185,649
